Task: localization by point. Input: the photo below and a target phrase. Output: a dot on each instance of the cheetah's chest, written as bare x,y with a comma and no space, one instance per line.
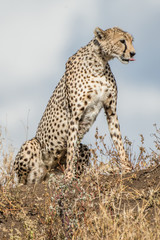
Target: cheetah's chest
98,95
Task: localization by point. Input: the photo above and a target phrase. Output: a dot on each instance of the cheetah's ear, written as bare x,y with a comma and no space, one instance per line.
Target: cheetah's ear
99,33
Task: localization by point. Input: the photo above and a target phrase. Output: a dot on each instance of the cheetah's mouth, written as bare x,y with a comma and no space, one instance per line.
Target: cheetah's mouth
126,60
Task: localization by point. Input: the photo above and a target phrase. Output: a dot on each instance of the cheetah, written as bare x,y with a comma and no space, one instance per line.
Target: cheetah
87,86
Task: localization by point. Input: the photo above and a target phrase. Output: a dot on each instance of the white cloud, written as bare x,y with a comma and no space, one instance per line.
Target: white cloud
137,100
155,3
34,37
31,42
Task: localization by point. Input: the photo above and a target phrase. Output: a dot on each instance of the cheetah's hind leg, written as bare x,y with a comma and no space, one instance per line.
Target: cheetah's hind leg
28,163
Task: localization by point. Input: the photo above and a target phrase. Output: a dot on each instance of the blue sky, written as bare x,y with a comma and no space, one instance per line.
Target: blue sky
37,38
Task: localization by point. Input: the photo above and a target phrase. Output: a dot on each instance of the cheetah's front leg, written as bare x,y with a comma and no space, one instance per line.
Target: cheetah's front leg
72,149
114,129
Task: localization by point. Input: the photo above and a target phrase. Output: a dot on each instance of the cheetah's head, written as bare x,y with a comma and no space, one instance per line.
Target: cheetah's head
114,42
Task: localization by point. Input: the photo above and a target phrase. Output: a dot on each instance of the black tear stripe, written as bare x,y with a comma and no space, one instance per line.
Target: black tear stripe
125,48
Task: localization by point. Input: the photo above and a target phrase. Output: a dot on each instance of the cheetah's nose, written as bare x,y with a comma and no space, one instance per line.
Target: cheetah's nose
132,54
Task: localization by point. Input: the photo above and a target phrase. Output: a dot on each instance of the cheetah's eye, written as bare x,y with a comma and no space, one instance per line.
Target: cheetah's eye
123,41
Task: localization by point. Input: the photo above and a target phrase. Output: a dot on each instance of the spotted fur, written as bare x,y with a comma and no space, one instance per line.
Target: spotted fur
86,87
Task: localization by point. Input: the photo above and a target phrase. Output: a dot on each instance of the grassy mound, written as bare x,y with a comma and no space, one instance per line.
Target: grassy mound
97,206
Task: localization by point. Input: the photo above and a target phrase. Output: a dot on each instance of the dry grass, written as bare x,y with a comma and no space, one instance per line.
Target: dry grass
97,206
6,161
